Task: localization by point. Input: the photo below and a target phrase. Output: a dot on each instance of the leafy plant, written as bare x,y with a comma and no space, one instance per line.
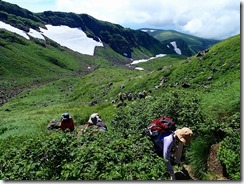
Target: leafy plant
229,154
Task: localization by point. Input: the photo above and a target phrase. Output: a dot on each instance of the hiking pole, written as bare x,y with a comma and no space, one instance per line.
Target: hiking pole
85,129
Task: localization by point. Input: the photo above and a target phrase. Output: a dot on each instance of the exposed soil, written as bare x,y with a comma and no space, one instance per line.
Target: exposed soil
214,165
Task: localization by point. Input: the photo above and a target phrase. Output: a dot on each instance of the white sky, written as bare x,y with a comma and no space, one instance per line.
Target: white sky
217,19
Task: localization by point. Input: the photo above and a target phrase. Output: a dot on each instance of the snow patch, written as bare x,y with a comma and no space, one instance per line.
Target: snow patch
72,38
177,50
145,60
10,28
146,30
35,34
139,68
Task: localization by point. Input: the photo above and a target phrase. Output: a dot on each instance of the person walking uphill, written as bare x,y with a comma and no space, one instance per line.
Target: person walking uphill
67,122
163,133
122,97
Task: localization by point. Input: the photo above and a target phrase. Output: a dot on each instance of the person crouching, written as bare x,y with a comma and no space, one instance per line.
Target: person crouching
67,122
95,120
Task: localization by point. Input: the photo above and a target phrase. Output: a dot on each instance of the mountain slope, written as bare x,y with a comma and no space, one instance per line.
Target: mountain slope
201,92
211,110
124,41
189,44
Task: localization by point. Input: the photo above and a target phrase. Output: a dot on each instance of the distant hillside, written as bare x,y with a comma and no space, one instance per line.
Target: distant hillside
127,42
188,44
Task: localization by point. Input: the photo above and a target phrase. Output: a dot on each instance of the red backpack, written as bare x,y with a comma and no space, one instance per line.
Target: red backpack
160,125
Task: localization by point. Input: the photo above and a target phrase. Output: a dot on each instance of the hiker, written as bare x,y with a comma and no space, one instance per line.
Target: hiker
95,120
142,94
121,97
164,135
129,97
169,140
181,137
67,122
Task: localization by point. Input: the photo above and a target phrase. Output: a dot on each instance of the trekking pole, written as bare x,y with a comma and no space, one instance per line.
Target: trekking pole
82,130
85,129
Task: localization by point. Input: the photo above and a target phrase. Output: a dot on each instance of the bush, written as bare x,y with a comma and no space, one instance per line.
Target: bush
107,158
100,156
229,154
122,153
182,107
39,158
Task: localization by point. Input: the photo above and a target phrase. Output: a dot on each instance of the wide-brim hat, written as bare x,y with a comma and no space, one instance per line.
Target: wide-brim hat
94,118
184,135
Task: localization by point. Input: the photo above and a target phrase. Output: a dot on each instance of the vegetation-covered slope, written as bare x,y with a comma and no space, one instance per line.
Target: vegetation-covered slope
209,105
121,40
189,44
33,62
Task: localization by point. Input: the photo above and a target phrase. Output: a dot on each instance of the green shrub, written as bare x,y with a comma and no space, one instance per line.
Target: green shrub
229,154
181,106
122,153
39,158
101,156
107,158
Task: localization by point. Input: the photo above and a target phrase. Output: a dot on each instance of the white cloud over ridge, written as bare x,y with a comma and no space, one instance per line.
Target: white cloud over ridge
217,19
214,19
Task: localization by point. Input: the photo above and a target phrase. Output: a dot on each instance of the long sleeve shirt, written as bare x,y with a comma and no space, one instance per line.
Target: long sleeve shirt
70,124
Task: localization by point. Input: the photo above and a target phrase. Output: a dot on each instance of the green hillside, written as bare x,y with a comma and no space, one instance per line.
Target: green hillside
209,104
127,42
34,62
194,43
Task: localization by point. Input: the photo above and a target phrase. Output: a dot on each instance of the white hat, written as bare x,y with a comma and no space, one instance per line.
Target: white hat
94,118
184,135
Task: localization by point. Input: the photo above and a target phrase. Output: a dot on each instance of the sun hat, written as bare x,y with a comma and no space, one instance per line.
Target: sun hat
184,135
65,116
94,118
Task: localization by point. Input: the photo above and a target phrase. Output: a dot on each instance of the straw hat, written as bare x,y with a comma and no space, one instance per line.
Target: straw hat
184,135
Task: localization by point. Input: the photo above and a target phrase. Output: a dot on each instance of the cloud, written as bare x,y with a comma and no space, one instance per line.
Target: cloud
209,26
34,5
209,19
216,19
